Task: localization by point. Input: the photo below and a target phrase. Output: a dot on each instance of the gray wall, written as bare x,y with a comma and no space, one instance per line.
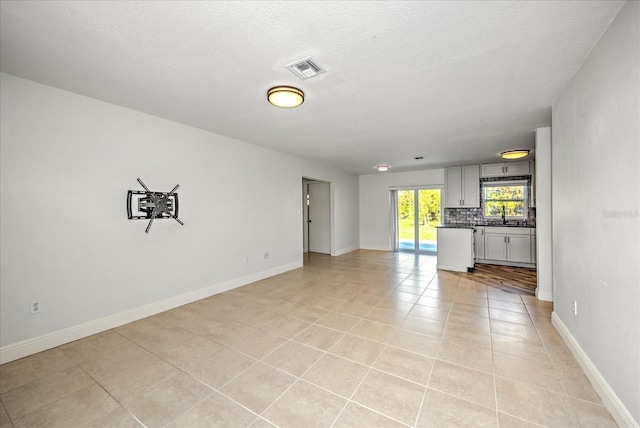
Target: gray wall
595,185
67,162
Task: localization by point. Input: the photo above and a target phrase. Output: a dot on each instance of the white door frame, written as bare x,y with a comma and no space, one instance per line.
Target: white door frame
305,215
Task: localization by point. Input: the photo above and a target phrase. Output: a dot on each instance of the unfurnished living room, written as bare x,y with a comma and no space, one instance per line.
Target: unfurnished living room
319,214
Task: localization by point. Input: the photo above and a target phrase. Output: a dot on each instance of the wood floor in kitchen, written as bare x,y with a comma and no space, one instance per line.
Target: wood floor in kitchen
516,280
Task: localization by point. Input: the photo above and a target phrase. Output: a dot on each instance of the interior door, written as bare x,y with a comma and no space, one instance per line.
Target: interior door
319,218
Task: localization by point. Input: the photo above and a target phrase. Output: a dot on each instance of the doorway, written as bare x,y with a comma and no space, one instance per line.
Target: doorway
418,213
317,216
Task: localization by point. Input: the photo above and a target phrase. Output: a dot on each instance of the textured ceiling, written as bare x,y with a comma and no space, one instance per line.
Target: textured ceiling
453,81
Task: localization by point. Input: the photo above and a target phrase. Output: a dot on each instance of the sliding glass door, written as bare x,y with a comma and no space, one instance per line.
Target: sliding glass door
418,213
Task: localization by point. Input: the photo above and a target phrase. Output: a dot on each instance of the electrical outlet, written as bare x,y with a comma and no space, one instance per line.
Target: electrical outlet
34,307
266,254
575,307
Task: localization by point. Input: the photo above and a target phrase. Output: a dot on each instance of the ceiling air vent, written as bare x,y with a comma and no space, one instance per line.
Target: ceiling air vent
306,68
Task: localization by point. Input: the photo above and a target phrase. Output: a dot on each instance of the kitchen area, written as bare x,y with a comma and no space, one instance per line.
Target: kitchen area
489,216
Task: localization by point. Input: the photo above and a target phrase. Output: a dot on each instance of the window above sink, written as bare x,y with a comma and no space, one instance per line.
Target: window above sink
505,200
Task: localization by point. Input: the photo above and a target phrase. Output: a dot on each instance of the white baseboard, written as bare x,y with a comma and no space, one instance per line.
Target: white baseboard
375,248
42,343
345,251
452,268
608,396
544,295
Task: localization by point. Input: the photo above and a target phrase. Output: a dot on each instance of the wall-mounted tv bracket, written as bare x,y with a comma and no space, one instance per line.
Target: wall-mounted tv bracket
152,205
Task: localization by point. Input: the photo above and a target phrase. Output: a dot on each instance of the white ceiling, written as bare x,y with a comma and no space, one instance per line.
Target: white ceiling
453,81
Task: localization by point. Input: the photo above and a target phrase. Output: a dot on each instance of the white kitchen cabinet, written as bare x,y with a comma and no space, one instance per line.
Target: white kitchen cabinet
508,244
455,249
505,169
478,242
462,186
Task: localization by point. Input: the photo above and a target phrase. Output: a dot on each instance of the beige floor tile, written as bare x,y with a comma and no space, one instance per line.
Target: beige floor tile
551,409
127,383
116,359
471,324
305,405
540,373
577,385
356,309
463,382
39,393
518,347
358,349
391,396
78,409
386,316
592,415
89,347
226,332
262,423
26,370
542,311
153,334
508,306
441,410
4,418
519,331
423,325
286,327
191,352
217,411
221,367
319,337
338,321
437,314
434,302
259,344
294,358
508,316
308,313
373,330
472,338
440,293
395,305
469,309
118,418
493,294
258,387
405,364
158,405
508,421
416,290
355,416
337,374
416,342
466,355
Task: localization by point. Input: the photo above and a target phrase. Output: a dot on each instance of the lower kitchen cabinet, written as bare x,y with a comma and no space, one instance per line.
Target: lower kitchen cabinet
505,244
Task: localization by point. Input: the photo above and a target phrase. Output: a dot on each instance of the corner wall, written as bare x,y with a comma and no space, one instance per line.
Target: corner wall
596,201
66,164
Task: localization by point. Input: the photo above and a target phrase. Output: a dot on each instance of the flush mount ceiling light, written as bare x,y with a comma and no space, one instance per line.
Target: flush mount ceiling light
514,154
285,96
383,168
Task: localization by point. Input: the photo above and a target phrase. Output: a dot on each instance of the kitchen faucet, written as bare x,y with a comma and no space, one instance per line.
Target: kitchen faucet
504,216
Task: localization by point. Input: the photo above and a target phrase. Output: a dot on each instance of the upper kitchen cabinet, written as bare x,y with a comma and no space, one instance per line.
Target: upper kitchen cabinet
462,187
505,169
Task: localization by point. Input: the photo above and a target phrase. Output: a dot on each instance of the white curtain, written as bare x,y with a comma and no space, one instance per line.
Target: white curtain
394,240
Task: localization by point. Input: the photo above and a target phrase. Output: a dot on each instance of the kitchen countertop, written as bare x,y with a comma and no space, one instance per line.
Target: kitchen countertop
470,226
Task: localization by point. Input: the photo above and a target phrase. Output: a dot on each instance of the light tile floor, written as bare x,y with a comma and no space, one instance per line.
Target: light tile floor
367,339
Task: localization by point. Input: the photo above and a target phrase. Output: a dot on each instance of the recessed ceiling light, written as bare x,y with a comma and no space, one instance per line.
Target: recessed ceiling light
383,168
515,154
285,96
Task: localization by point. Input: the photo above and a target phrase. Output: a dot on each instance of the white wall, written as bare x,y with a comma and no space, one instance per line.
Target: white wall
596,200
544,225
67,162
374,202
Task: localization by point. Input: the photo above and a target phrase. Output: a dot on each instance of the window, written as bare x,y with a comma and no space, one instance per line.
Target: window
508,197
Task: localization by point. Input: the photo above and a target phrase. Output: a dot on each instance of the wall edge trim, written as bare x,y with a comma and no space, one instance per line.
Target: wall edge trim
32,346
606,393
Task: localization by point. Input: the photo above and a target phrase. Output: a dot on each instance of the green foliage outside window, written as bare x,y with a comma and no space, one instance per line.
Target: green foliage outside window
502,196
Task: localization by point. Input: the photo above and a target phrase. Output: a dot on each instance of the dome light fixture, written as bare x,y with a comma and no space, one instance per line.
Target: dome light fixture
285,96
515,154
383,168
